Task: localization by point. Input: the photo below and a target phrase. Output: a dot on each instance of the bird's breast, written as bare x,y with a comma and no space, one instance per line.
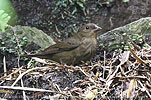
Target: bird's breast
88,48
89,43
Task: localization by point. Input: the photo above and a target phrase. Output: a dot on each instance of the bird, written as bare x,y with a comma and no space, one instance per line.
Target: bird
73,50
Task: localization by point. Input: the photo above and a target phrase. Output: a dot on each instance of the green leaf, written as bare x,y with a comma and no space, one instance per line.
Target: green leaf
75,10
80,4
4,18
125,0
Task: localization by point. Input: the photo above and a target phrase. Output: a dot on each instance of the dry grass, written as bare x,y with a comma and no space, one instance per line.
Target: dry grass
123,76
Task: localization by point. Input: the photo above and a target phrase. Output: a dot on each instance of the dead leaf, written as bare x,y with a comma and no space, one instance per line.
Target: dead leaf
131,87
135,56
91,94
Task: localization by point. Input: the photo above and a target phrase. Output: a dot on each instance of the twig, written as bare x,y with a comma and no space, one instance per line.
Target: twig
90,79
114,73
145,89
22,84
57,29
30,89
4,63
110,70
17,70
104,68
21,75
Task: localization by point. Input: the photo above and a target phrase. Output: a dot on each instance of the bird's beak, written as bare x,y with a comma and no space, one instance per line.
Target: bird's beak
97,28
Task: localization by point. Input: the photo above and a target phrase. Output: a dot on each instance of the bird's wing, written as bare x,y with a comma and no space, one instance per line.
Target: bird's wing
67,45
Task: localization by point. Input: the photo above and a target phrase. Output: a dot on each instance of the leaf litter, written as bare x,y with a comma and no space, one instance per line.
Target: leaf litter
126,75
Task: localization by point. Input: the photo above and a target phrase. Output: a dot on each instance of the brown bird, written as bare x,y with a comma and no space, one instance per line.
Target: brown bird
81,47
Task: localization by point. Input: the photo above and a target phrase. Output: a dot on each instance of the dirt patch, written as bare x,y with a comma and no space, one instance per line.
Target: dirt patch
41,14
57,21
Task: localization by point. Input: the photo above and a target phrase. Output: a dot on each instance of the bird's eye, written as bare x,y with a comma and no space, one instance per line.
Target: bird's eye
87,28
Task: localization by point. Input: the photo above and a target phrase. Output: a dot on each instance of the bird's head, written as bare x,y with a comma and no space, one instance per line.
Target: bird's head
89,30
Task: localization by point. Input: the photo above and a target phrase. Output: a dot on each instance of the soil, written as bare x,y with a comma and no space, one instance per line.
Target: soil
58,23
41,14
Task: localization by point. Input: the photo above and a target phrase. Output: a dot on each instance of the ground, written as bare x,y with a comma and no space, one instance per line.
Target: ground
59,19
46,15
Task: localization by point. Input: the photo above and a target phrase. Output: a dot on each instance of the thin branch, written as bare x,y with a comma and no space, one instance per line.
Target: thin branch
30,89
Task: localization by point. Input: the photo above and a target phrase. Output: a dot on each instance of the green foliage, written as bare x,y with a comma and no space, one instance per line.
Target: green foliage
109,1
9,43
4,18
126,0
78,4
66,13
137,37
74,5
